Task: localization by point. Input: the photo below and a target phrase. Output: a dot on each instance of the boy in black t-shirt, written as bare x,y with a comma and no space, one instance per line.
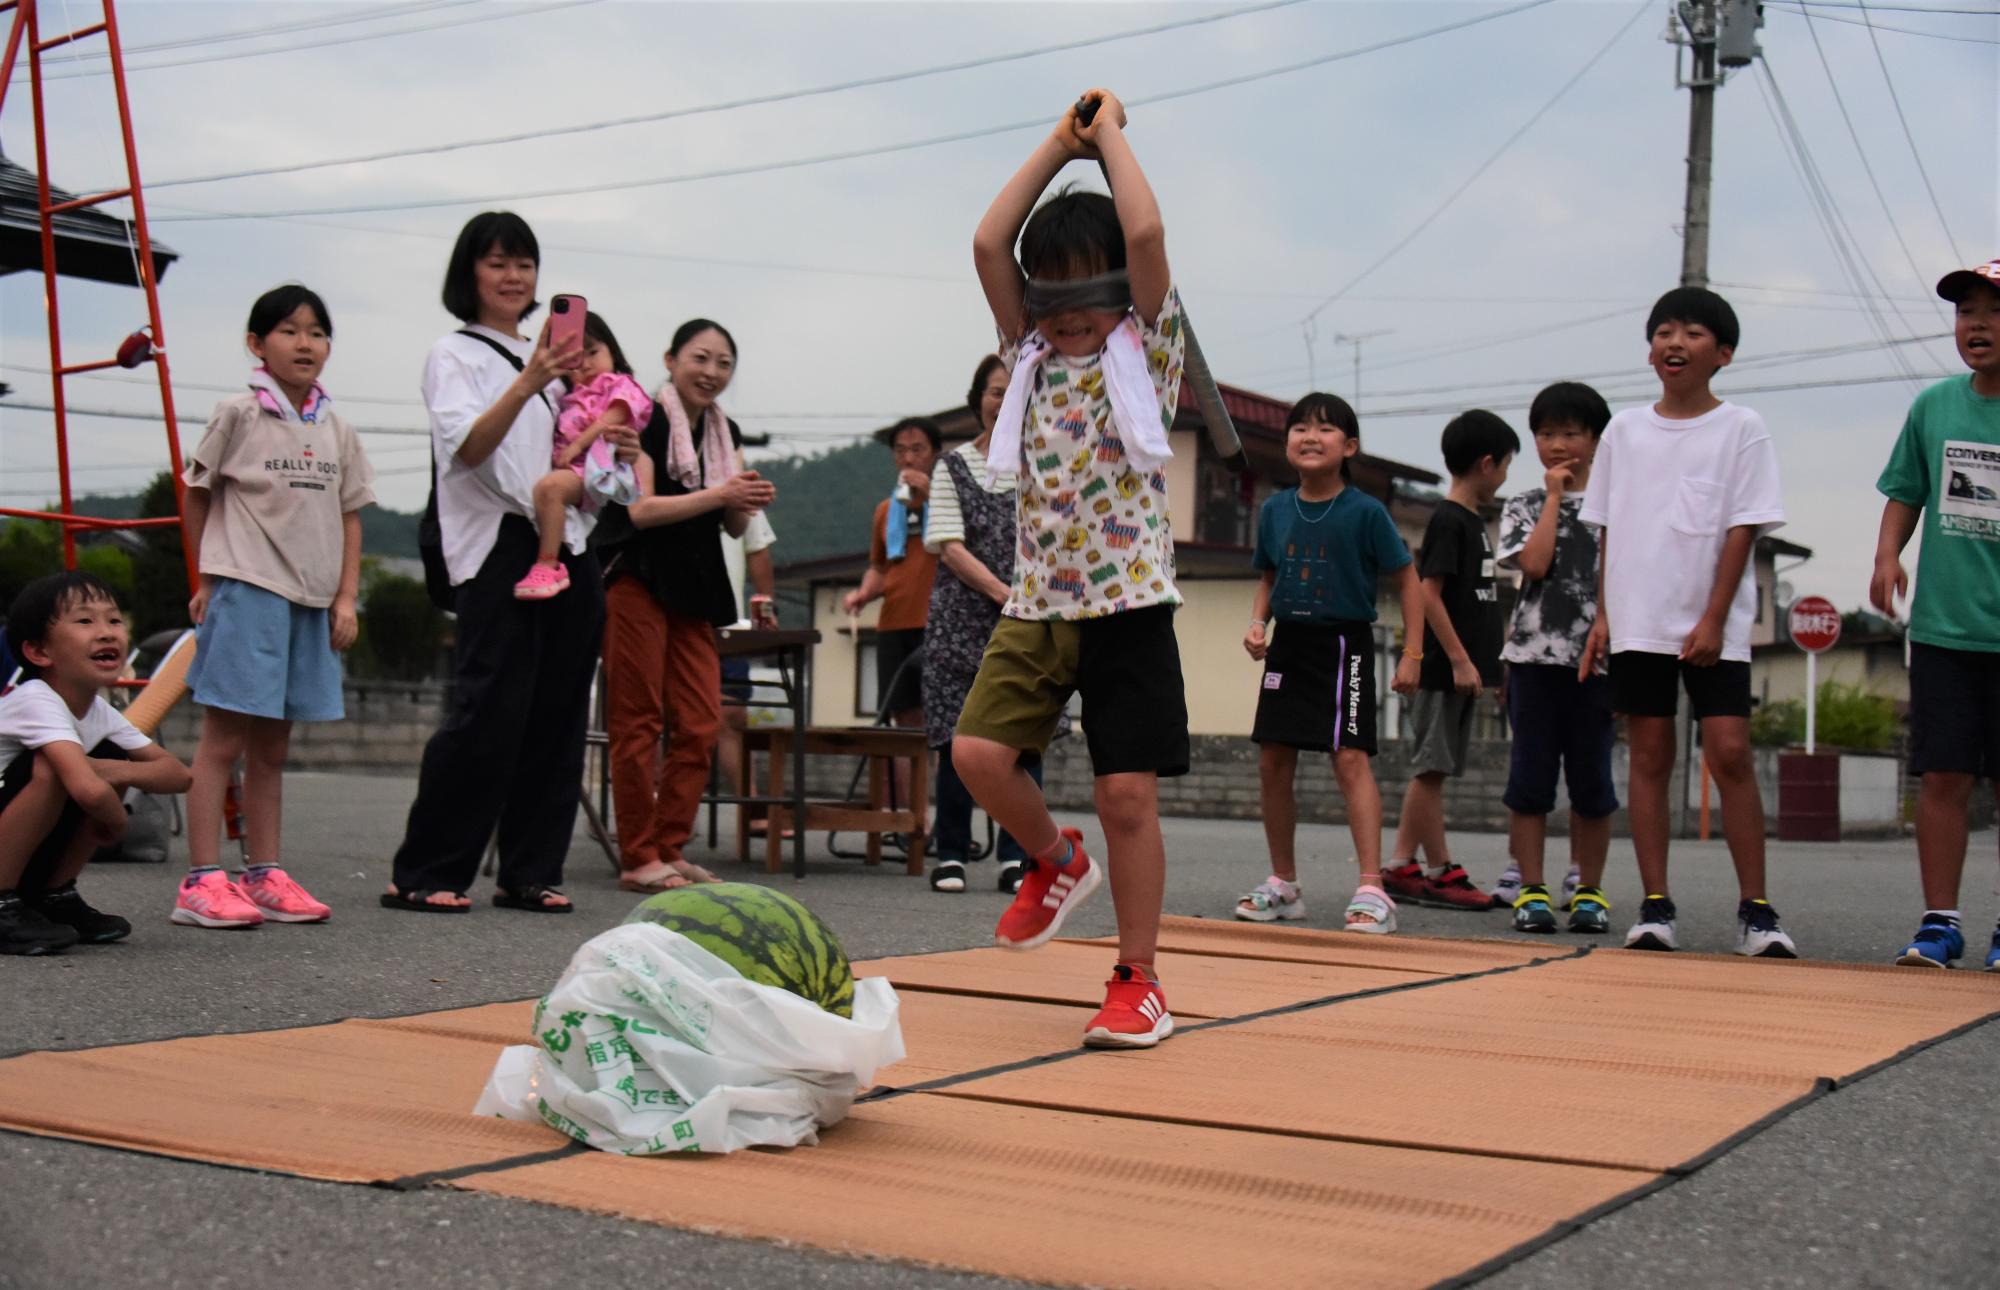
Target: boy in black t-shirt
1461,655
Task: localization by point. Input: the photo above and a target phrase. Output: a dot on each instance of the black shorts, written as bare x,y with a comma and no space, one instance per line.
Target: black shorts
736,685
899,693
1646,685
1954,711
1559,727
48,852
1319,688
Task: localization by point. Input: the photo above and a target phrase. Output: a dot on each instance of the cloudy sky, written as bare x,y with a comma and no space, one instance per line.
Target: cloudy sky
1494,206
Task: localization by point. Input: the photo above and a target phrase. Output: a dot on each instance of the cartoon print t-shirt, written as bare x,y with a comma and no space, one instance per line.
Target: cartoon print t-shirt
1946,463
279,491
1094,537
1552,615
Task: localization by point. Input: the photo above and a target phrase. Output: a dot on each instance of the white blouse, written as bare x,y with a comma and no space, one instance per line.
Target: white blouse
463,377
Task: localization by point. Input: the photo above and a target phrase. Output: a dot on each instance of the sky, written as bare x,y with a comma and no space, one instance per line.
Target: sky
1489,208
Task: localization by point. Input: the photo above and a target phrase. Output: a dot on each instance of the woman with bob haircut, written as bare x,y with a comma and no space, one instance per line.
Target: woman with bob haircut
509,754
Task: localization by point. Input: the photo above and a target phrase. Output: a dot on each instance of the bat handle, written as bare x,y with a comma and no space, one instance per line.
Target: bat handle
1086,110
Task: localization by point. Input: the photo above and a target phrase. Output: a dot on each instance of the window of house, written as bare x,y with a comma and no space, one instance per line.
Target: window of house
867,695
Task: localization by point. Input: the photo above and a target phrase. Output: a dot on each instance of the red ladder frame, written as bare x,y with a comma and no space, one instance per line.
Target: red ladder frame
25,29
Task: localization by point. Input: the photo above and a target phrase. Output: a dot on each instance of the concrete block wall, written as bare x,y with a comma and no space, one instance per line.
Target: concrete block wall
387,725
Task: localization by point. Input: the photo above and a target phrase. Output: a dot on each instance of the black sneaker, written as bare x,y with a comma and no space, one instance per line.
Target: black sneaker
23,929
93,926
1532,912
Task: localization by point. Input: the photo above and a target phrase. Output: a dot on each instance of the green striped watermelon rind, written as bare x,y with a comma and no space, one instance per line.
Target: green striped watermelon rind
765,935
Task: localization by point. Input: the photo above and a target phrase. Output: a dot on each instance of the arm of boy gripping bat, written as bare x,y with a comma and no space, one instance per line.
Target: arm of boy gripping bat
1194,364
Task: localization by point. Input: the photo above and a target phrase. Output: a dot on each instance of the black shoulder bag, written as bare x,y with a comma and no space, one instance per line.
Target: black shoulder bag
430,535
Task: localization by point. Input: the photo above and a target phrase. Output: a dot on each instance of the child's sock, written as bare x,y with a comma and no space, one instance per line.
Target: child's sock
258,872
1140,969
1941,916
1059,854
195,875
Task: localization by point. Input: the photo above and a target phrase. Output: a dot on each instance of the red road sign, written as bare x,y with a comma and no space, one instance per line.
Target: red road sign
1814,624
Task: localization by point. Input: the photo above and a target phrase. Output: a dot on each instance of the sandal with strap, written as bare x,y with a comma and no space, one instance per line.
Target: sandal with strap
1371,911
533,899
666,879
948,875
691,871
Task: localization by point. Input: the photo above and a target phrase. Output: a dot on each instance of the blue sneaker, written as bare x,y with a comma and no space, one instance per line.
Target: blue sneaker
1937,943
1993,955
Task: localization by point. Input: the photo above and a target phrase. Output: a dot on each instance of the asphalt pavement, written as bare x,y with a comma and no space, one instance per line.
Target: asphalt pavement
1887,1182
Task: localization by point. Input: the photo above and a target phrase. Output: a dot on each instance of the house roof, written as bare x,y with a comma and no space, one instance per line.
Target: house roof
89,243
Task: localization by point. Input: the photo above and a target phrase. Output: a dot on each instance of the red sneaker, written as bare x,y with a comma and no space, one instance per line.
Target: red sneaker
1046,896
1453,889
1404,881
1134,1014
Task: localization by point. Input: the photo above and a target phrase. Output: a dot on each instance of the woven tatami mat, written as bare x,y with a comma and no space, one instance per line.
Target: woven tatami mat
1434,957
351,1102
1198,985
1661,1058
1127,1202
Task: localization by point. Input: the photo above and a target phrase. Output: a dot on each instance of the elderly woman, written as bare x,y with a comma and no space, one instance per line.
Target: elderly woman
667,590
970,527
510,752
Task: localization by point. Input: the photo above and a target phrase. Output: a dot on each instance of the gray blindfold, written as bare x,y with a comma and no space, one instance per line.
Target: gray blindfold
1105,291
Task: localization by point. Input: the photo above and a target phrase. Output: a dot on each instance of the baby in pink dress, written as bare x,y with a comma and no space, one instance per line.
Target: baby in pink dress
587,474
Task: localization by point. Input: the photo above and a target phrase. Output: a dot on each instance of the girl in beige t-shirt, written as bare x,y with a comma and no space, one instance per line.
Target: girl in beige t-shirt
274,492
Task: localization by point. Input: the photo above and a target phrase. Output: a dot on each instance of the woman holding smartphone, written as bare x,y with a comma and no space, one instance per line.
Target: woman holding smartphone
667,591
510,751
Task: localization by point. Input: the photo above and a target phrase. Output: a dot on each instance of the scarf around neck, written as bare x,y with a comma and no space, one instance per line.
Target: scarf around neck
273,399
1135,404
715,461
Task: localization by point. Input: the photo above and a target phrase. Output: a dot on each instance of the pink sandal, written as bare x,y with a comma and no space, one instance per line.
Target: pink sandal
542,581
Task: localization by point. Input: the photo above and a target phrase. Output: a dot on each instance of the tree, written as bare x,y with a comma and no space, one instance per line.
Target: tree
401,630
1848,717
159,575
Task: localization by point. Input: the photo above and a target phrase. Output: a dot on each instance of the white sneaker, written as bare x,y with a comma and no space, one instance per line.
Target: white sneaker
1571,881
1758,935
1655,928
1271,900
1507,888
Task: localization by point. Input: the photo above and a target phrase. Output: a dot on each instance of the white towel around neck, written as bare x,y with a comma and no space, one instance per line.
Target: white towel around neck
1135,404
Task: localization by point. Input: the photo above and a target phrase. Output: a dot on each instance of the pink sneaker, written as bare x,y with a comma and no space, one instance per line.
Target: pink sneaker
282,900
211,900
543,581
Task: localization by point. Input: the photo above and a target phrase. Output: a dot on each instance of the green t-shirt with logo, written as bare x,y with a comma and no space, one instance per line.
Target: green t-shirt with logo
1947,463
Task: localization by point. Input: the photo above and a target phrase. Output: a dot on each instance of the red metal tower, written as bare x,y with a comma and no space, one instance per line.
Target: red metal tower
24,31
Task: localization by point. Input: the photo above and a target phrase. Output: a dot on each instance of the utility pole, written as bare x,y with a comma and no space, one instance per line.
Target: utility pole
1722,36
1355,339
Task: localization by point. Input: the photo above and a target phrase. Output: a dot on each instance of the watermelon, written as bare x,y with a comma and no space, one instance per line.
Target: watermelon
764,934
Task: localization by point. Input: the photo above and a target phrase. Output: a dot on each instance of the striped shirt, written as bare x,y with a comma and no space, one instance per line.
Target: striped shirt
943,521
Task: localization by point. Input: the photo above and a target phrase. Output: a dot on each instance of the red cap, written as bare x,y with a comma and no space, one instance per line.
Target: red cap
1958,284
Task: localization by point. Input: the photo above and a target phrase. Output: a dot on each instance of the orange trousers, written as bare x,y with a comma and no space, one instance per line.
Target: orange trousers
661,674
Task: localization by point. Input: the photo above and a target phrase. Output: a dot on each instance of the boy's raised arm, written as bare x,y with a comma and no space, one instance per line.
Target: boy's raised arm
1138,209
993,241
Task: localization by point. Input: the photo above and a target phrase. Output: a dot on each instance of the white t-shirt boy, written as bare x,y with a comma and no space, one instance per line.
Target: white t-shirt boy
1666,492
32,715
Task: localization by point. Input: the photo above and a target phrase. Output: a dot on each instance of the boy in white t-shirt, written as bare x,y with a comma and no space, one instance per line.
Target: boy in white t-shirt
1681,491
66,759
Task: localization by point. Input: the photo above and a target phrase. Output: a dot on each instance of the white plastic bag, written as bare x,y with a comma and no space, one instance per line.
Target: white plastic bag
649,1043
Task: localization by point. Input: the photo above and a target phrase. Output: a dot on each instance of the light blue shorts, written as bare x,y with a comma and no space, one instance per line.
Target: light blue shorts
260,654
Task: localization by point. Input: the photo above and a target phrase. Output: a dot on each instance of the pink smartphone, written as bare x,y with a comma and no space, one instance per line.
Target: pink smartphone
566,321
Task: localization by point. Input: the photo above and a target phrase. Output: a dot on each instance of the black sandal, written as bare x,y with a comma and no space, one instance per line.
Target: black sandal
948,871
419,902
533,899
1011,873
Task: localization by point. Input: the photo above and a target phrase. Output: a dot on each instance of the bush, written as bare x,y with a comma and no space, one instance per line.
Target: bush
401,630
1849,718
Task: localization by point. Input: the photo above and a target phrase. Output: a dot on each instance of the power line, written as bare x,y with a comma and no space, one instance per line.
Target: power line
1916,154
1637,12
853,154
1832,223
1901,31
1869,170
728,105
277,29
1895,8
511,11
